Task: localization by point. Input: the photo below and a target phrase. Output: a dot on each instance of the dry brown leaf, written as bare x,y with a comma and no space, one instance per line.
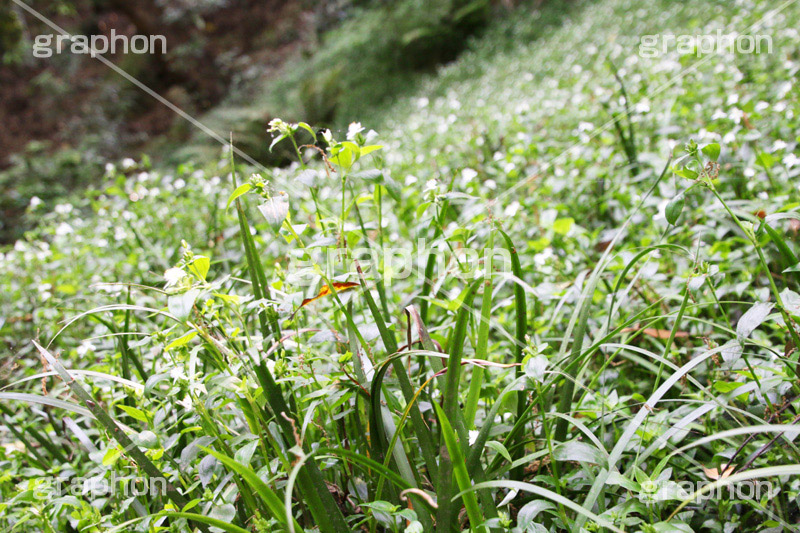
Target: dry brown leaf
339,286
713,473
659,333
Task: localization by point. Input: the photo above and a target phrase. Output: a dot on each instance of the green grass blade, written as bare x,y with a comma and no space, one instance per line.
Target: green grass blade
522,326
206,520
476,382
111,426
312,485
545,493
390,342
460,471
267,495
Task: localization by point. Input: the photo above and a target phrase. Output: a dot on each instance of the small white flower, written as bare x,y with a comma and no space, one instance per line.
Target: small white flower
719,114
63,209
468,174
473,436
63,229
35,202
174,276
791,160
186,403
128,163
354,129
85,347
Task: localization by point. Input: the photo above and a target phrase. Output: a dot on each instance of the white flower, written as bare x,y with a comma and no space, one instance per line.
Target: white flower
128,163
63,229
473,436
35,202
791,160
328,136
354,129
430,185
174,276
63,209
85,347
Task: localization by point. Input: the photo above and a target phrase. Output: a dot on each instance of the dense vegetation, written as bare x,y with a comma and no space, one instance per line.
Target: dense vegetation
253,336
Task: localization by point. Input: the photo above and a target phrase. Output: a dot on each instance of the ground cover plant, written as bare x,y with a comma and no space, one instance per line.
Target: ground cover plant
554,289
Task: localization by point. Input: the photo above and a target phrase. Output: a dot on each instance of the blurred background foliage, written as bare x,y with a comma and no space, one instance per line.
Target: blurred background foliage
233,64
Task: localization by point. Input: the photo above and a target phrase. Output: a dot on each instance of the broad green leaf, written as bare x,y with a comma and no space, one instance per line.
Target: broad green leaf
711,151
752,319
578,451
182,340
275,210
674,209
499,448
200,266
111,456
180,305
563,225
240,190
134,412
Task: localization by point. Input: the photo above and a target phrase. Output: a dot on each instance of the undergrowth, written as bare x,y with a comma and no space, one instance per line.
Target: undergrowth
598,330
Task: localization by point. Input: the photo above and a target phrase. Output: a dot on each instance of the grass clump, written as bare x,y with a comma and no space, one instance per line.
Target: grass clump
636,350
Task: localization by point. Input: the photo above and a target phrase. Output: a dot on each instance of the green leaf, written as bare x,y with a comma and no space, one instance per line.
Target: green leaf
181,341
275,210
753,318
687,173
766,160
134,413
579,452
674,209
180,305
240,190
563,225
726,386
111,456
499,448
369,149
245,453
200,266
275,141
215,522
308,129
712,151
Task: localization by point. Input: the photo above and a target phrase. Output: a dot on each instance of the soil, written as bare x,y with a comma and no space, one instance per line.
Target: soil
61,99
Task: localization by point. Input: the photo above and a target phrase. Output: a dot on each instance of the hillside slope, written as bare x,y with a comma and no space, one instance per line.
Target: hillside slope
652,203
